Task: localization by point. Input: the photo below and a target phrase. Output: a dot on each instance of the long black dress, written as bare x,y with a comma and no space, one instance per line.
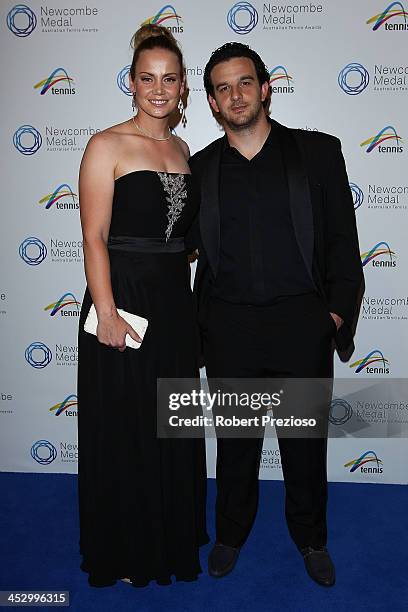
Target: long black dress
141,498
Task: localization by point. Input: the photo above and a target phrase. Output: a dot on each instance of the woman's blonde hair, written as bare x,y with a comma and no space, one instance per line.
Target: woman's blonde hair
152,36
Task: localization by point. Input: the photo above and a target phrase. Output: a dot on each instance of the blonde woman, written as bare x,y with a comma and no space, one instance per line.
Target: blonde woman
141,499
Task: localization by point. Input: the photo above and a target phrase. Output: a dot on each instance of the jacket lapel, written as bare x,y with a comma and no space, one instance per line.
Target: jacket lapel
299,193
210,206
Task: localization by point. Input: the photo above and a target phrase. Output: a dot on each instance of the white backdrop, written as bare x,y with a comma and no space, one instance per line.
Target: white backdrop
335,67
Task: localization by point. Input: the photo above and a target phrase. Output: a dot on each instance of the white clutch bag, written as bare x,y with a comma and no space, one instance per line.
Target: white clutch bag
139,324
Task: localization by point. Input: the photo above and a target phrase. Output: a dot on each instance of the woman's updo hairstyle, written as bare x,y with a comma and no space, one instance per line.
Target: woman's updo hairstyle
151,36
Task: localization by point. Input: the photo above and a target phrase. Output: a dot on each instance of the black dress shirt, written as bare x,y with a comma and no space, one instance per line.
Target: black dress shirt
260,260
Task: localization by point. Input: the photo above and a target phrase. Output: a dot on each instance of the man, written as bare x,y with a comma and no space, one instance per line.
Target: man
277,283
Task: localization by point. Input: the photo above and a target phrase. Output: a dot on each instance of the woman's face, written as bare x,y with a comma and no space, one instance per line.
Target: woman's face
158,83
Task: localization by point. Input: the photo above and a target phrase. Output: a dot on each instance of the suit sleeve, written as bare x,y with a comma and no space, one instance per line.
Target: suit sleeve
192,237
344,274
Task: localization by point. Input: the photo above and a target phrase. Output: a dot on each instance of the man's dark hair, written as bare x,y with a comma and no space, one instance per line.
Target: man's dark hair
227,52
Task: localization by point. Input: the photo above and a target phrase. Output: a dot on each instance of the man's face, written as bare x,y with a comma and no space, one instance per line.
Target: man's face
238,96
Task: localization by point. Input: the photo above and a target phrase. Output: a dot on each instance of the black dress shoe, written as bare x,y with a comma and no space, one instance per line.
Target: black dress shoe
222,560
319,566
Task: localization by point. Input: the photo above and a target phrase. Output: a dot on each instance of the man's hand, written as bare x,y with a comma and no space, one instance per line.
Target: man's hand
192,256
338,320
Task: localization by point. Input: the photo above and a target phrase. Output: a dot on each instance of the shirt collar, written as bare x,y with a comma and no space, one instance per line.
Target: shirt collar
270,140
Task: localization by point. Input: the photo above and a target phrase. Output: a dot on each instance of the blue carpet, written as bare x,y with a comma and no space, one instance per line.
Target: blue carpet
368,543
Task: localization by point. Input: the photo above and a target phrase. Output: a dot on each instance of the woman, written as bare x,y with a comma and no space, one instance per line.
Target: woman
141,499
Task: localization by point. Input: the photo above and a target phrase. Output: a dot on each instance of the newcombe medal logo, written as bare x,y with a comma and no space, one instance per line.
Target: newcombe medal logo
242,18
32,251
21,20
358,195
353,79
27,140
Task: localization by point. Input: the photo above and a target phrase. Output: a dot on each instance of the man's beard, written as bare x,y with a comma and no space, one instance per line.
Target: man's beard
250,120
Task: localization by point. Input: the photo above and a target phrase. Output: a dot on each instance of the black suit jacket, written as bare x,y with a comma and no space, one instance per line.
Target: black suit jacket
323,217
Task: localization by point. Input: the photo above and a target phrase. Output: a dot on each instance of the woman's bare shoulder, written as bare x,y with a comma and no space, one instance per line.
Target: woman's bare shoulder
183,146
111,135
108,142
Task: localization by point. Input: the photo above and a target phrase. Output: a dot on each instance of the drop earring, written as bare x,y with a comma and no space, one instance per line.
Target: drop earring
182,113
133,103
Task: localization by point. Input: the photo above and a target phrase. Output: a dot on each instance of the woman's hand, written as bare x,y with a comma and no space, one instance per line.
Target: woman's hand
112,330
337,320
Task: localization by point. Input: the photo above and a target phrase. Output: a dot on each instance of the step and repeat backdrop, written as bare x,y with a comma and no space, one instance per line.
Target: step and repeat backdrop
340,68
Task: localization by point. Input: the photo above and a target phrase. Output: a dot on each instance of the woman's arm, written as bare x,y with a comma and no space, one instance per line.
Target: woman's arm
96,185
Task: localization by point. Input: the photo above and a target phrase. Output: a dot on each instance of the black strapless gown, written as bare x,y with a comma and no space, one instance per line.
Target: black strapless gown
141,499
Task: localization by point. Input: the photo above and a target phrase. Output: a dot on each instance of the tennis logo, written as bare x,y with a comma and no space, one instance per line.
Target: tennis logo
21,20
242,17
380,256
53,83
358,195
38,355
66,406
367,457
280,81
27,140
388,133
353,79
393,18
165,15
43,452
67,306
365,364
33,251
62,198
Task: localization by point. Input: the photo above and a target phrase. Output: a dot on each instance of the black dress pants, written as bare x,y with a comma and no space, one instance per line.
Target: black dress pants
291,338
